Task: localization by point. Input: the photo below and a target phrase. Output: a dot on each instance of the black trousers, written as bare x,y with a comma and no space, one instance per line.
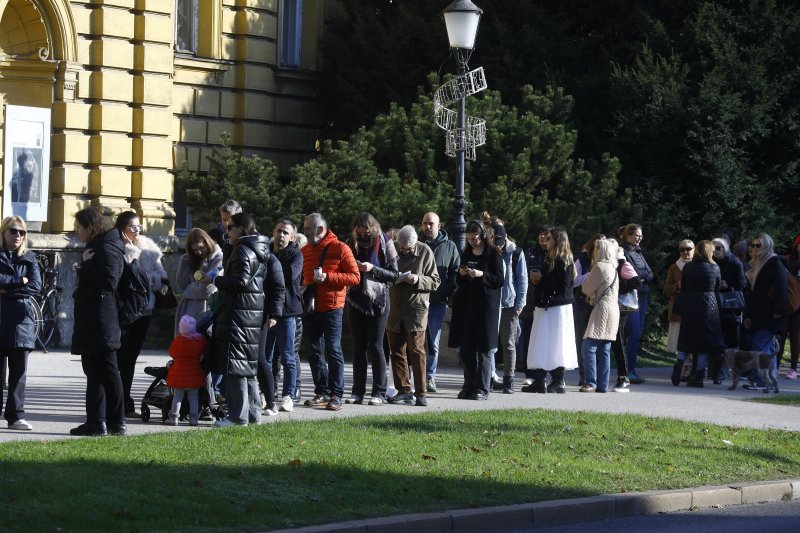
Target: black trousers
104,396
367,332
17,359
132,340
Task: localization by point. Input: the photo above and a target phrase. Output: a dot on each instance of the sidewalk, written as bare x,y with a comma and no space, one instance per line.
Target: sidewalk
56,387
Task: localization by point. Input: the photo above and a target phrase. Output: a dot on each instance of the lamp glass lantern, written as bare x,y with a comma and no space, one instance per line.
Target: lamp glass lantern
461,18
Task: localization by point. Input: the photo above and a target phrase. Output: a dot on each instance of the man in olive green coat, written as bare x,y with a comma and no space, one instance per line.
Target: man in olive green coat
408,315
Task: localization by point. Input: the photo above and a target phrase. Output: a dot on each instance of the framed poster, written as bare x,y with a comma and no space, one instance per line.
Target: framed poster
26,162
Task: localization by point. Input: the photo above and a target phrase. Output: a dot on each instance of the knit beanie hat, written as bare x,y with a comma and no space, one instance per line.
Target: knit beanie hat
188,327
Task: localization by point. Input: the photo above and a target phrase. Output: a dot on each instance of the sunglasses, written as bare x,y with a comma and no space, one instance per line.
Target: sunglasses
755,245
718,248
685,250
17,232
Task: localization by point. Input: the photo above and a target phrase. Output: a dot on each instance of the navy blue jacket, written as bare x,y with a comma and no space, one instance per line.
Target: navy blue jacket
17,325
291,260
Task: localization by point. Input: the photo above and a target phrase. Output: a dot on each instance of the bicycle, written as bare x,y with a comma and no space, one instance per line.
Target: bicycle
47,303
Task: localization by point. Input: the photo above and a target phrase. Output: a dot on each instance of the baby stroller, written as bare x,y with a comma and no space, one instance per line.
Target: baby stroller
158,394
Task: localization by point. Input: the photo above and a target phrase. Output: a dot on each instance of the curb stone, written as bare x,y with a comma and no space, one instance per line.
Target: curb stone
570,511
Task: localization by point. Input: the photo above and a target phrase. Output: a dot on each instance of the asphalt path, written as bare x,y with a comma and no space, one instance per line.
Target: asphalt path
56,386
757,517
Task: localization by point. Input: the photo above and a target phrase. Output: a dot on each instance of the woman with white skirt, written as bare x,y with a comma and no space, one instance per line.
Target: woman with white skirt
552,344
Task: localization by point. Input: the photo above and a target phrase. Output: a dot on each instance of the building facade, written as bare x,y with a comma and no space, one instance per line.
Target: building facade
137,88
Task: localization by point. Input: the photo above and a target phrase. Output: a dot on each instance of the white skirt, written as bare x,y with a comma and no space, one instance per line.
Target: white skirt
553,339
672,337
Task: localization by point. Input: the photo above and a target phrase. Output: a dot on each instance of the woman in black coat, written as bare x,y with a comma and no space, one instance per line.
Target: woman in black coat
768,279
701,330
19,282
474,326
237,329
96,334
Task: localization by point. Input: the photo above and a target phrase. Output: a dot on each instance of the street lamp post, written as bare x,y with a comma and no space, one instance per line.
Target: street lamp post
463,133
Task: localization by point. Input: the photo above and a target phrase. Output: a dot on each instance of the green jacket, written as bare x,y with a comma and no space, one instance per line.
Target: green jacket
408,309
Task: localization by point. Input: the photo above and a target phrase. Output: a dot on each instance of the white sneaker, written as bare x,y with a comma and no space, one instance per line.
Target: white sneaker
527,382
286,404
271,411
172,420
263,401
376,400
227,422
21,425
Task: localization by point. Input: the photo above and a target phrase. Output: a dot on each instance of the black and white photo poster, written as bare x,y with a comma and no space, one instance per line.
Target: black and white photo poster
26,162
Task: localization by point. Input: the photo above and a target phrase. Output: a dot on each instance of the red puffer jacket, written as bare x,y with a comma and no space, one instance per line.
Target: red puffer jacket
186,372
339,265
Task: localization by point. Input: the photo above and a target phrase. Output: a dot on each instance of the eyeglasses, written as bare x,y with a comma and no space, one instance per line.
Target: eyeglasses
16,232
755,245
686,250
136,228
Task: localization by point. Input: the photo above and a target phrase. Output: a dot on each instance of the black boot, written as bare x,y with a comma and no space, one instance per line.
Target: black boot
557,385
508,384
676,372
697,379
539,385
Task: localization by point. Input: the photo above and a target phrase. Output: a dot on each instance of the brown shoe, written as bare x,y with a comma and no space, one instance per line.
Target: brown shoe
320,400
335,404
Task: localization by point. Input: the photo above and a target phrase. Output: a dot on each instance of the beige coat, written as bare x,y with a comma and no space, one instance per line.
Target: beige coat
671,287
604,320
408,304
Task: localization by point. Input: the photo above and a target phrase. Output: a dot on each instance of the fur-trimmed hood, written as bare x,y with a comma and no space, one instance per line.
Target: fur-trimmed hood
149,255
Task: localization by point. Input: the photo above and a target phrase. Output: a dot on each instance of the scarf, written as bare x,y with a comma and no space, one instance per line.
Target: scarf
681,263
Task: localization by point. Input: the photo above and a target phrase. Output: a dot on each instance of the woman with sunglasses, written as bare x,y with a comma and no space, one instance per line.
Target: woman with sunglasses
96,333
732,280
237,330
631,239
671,288
765,299
148,255
20,280
701,331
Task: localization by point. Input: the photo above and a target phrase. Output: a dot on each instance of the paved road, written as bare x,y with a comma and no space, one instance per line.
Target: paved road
55,400
757,517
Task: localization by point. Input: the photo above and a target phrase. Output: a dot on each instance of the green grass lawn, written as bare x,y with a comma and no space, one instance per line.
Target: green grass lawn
791,399
299,473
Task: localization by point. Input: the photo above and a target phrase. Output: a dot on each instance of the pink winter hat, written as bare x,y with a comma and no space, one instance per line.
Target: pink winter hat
188,327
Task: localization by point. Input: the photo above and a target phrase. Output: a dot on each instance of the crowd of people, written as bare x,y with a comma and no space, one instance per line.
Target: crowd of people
247,300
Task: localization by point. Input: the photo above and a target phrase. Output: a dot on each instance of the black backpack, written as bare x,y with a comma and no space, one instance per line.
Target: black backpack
133,292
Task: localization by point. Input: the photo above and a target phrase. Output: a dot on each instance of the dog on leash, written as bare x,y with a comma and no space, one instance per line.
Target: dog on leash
741,361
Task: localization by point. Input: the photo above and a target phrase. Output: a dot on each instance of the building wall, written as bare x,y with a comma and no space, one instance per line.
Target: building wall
127,109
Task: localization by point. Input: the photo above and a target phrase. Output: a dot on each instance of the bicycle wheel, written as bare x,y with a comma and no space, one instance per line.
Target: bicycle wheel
49,312
37,319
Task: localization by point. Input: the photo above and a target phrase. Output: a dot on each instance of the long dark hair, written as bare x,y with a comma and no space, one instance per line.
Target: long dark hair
196,235
244,221
94,222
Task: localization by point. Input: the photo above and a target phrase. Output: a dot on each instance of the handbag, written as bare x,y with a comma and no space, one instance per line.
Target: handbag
733,300
165,298
629,302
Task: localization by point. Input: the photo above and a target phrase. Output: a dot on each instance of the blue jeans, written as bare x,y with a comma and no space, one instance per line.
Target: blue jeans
433,334
596,355
324,332
633,330
701,359
760,340
281,337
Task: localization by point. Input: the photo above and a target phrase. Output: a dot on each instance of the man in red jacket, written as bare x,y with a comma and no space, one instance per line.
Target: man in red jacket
328,269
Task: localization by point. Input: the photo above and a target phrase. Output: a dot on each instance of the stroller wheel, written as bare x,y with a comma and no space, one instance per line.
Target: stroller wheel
145,412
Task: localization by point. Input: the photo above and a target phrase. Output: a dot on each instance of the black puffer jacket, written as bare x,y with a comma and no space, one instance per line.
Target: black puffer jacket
239,322
96,313
701,329
17,326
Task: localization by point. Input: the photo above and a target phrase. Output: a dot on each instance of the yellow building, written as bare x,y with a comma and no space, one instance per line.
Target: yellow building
138,87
